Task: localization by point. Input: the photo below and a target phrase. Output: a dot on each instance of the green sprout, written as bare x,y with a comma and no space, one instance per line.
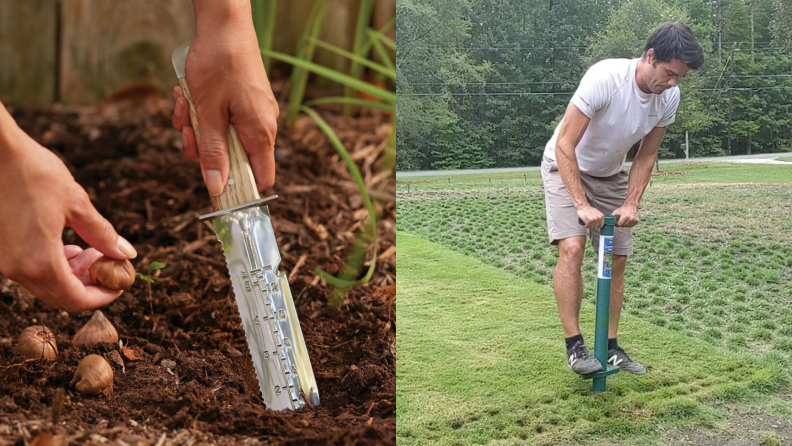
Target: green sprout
153,266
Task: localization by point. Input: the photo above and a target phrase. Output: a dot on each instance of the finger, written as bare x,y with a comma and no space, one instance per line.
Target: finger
71,251
189,147
97,231
181,114
259,143
71,292
77,296
177,93
82,262
212,114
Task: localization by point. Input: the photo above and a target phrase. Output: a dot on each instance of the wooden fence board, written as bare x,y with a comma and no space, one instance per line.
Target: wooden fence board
27,52
110,45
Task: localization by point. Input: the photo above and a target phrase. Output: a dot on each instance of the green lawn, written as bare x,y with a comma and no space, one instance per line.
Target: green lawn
712,259
669,173
481,361
712,271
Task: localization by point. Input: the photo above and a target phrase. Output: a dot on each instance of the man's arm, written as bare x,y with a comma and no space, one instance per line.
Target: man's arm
640,173
569,135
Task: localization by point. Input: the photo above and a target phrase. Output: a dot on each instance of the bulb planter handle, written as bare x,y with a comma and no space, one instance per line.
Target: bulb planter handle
604,268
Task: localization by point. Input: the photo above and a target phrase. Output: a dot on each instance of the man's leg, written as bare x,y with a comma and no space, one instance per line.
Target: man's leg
612,193
568,283
563,229
617,294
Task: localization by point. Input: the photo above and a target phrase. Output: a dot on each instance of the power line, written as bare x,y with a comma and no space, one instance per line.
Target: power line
533,93
746,76
536,48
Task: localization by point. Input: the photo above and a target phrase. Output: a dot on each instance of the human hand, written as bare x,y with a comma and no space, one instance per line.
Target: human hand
40,198
228,84
591,217
628,216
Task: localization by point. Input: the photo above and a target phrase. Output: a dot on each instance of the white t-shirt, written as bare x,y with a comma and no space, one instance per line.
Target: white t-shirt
620,113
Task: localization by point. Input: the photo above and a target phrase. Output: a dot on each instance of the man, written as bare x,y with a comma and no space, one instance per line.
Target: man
226,76
618,103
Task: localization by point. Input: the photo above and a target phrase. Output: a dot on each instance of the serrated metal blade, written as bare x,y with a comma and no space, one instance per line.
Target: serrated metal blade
266,307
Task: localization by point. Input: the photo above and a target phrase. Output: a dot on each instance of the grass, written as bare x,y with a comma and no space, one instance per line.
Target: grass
687,172
481,361
712,253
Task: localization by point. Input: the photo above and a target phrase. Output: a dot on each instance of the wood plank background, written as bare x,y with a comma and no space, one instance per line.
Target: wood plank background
27,51
83,51
109,45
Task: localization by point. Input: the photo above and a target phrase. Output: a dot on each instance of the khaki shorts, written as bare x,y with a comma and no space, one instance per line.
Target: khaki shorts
606,194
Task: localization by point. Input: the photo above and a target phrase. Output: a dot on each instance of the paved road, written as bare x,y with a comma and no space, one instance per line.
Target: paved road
428,173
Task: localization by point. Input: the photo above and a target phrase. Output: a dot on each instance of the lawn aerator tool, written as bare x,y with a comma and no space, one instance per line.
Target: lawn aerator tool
604,262
242,223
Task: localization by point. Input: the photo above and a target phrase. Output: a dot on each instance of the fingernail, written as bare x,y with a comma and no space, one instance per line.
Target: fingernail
214,182
184,139
126,248
179,106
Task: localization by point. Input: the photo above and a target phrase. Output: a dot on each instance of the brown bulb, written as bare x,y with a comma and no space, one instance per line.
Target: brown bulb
93,376
97,329
112,273
37,342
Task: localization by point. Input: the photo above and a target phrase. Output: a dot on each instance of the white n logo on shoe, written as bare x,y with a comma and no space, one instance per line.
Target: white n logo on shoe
572,360
615,361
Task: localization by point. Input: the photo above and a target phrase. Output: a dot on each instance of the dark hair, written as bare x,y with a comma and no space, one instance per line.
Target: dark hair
673,40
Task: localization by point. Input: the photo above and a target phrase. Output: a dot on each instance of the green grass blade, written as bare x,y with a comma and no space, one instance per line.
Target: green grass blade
383,39
264,15
388,71
383,53
353,169
305,51
269,30
363,20
351,101
385,28
333,75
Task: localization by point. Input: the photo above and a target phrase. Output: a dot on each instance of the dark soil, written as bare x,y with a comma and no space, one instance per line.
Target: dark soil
194,382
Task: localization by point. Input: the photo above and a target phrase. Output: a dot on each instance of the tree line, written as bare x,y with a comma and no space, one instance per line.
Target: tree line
483,83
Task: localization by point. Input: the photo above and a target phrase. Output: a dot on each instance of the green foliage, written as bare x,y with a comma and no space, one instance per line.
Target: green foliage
153,266
628,28
483,84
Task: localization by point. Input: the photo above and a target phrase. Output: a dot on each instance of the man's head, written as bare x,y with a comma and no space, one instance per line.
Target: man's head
670,52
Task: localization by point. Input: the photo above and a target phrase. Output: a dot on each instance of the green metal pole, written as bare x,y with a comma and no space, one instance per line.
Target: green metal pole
604,263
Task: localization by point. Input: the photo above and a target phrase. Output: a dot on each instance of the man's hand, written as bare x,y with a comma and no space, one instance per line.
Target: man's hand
591,217
40,198
628,216
228,84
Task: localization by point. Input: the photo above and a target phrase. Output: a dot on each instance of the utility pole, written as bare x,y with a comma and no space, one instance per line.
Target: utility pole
731,102
687,146
753,10
720,30
753,59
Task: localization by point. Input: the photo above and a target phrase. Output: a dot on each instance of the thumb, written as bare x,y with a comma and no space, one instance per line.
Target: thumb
213,146
98,232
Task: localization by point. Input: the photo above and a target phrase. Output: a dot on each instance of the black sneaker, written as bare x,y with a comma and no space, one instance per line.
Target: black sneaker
618,358
580,361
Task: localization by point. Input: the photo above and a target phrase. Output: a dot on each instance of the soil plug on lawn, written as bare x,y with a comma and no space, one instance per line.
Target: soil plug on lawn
244,227
604,262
